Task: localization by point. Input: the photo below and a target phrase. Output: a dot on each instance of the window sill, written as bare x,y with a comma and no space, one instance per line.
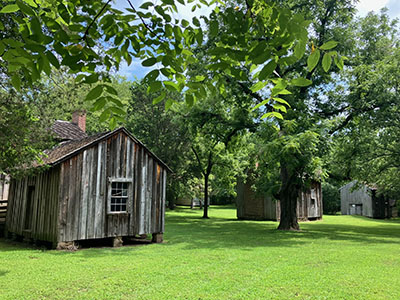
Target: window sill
118,213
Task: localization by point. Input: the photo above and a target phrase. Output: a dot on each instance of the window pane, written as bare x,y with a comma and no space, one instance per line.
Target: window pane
119,196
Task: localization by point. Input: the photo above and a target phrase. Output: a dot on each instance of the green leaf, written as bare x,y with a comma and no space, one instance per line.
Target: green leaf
184,23
25,8
146,5
99,104
113,123
149,62
62,10
272,114
91,78
45,64
196,22
31,3
280,100
280,107
328,45
313,59
300,49
258,50
104,115
118,111
16,82
280,84
284,92
115,101
262,58
52,59
199,78
152,75
339,62
213,28
267,70
94,93
154,86
189,100
111,89
258,86
9,9
301,82
159,98
326,62
168,30
168,103
260,104
172,86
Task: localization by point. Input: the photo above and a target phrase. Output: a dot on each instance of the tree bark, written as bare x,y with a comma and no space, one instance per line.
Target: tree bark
288,199
205,211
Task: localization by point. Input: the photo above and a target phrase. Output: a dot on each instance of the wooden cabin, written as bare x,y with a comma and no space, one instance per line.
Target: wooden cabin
253,206
104,186
365,201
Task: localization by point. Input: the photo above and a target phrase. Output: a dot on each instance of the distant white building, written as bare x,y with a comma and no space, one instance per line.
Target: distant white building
365,201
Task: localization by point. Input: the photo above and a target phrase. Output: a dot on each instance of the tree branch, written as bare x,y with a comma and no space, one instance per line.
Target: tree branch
144,23
198,160
94,20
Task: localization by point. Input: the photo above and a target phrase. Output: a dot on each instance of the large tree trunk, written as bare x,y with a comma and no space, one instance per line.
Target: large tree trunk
205,211
288,198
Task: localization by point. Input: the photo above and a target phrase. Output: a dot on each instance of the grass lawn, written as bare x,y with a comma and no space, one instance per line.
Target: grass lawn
340,257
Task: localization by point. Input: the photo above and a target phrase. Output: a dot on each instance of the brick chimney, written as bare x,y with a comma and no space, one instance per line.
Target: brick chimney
79,118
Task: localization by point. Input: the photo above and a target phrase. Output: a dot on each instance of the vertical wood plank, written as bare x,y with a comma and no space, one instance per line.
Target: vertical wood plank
99,197
163,200
90,234
84,196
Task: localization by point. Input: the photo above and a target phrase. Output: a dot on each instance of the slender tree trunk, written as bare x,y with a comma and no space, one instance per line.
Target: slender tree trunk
205,211
288,199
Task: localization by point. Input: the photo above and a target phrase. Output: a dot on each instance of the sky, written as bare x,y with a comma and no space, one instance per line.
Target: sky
135,70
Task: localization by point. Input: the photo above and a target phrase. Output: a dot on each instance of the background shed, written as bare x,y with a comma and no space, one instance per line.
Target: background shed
253,206
365,201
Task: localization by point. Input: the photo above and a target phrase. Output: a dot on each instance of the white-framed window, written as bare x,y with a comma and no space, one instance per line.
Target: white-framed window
118,195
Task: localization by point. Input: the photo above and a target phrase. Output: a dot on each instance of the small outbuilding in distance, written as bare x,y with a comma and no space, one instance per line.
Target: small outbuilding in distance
104,186
254,206
362,200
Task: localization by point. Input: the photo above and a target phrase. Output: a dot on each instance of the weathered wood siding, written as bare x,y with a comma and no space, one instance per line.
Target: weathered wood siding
85,190
4,188
32,206
253,206
357,201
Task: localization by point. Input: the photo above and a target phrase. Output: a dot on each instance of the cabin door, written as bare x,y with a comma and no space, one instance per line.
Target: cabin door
359,209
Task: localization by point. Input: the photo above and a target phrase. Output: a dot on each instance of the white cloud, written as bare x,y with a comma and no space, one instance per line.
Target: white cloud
394,8
365,6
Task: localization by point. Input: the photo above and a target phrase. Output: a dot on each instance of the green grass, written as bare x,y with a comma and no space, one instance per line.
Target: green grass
340,257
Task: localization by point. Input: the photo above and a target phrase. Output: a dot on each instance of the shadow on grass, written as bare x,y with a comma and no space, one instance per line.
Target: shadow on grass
186,229
225,233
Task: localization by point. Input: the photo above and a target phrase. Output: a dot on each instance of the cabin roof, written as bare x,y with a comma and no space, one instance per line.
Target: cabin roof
69,149
65,130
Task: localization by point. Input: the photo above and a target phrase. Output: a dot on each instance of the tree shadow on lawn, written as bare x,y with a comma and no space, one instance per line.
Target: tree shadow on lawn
224,233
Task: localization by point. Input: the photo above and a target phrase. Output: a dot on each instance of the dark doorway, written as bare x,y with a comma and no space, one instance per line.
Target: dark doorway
381,206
